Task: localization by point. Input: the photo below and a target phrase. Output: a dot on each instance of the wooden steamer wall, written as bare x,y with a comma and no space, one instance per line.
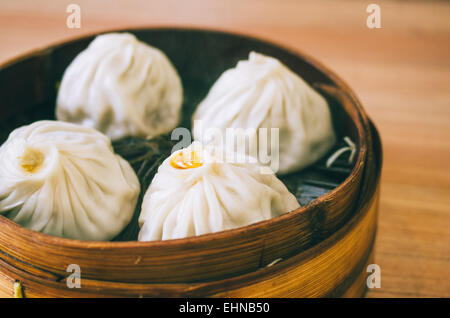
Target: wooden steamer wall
322,249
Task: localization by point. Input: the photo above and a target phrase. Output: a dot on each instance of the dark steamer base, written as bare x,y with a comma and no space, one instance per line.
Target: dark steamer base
145,156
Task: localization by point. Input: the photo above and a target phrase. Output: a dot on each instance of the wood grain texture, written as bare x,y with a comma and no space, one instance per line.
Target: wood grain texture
400,72
332,269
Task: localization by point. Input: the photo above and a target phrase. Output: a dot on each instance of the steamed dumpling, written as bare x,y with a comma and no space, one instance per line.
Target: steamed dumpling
64,179
200,189
261,92
121,87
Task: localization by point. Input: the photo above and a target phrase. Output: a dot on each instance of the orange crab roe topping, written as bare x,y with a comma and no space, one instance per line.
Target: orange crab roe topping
31,160
186,160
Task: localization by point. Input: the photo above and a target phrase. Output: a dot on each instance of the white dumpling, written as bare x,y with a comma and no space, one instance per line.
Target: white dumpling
196,191
261,92
64,180
121,87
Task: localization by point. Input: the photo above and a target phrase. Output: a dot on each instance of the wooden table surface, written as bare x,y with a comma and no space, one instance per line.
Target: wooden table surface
401,73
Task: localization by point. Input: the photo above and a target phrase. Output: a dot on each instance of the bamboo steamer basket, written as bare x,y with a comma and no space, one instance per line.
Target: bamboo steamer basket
324,245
